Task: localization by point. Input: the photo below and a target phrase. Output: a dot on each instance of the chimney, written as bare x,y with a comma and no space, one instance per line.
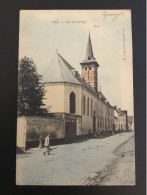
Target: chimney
75,72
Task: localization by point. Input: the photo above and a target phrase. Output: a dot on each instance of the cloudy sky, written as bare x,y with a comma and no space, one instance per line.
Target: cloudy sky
43,32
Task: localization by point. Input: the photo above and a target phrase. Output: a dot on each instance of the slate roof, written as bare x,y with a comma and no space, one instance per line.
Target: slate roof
59,70
89,51
89,58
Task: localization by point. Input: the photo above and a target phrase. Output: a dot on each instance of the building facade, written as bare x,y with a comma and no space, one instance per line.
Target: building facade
77,99
76,107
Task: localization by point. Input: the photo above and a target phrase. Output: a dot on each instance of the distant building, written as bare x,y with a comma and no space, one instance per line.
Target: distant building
131,123
120,119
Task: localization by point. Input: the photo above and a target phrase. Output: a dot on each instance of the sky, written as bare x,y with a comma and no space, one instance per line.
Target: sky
43,32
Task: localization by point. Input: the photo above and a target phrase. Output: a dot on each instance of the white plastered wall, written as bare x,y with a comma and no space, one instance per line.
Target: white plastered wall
54,97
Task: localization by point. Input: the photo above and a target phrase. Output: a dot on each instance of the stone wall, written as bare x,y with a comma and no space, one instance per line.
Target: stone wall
21,133
29,129
42,126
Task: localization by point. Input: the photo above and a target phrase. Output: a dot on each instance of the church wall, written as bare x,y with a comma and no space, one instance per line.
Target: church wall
67,91
79,125
58,96
54,97
87,119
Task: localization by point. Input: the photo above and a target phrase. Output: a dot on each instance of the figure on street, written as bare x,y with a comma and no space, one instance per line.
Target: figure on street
47,145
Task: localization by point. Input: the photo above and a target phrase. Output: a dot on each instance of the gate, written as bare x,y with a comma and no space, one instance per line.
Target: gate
70,130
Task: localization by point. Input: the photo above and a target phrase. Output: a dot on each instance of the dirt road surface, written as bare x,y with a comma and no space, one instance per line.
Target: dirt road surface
106,161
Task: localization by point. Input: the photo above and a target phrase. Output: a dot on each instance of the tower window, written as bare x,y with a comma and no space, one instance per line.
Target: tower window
89,68
85,68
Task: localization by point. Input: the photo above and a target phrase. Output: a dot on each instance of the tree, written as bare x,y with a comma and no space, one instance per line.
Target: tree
30,90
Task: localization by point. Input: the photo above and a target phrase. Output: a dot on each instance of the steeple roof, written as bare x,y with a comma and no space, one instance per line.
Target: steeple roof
59,70
89,53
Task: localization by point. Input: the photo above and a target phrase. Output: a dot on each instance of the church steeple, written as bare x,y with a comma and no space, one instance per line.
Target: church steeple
89,51
89,66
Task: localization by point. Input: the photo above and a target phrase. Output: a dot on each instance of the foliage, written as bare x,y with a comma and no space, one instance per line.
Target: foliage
30,90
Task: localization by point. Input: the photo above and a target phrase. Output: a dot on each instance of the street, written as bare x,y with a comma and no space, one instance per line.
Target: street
106,161
120,170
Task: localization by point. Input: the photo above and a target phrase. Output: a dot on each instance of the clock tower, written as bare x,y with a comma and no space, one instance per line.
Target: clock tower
89,67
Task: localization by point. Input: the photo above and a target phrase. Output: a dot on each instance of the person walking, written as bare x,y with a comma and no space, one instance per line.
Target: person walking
47,145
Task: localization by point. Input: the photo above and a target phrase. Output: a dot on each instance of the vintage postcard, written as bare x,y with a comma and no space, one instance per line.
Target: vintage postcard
75,122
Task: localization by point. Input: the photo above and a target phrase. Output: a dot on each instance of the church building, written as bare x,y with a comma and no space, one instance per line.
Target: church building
76,97
76,107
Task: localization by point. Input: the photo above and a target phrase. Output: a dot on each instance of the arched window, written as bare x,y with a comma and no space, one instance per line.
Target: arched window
72,102
91,108
84,105
88,107
98,122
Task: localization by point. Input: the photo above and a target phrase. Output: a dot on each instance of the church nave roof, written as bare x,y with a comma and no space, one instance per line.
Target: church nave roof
59,70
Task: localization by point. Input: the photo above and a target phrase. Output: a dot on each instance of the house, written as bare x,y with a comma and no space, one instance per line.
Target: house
131,123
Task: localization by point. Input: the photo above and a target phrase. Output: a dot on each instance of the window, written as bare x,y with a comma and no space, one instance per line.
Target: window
98,122
94,113
85,68
84,105
89,68
95,73
88,107
72,102
91,108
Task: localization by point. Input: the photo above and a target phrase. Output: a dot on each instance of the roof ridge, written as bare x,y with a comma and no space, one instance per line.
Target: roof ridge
60,67
59,70
66,63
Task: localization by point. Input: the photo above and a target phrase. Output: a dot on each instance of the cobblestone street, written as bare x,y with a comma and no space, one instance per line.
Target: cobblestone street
120,170
107,161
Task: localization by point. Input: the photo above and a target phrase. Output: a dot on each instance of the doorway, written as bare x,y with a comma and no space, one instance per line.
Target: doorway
70,130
